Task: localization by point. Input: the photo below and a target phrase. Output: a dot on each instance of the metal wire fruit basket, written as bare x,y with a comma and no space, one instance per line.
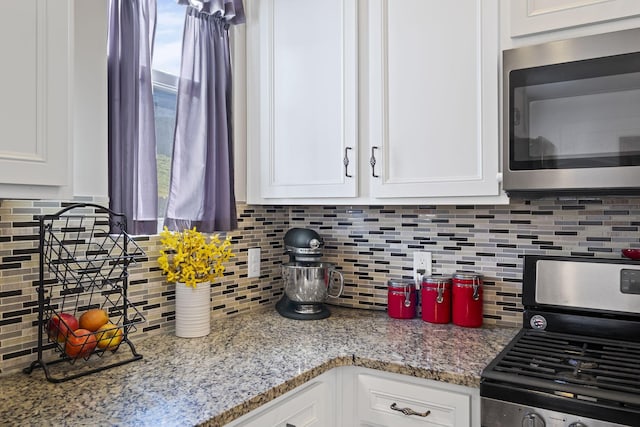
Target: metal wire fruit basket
85,255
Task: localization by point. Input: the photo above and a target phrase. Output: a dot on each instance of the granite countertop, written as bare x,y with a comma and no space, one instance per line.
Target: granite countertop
245,362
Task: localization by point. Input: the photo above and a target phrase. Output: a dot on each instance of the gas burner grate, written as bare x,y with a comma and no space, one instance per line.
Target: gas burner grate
586,368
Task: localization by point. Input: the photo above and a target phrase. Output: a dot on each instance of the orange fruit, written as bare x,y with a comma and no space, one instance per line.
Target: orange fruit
80,343
93,319
108,336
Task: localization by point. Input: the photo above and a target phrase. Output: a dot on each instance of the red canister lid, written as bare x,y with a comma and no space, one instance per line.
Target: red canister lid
401,283
466,277
436,280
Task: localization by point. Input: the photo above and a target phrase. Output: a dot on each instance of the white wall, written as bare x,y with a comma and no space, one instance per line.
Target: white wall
239,67
90,173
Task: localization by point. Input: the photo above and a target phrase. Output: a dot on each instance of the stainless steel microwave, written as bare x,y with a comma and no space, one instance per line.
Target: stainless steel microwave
571,116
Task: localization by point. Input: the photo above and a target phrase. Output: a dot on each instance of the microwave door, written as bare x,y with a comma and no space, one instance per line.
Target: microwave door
569,121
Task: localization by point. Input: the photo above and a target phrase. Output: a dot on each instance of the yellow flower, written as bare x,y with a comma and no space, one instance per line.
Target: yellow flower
187,256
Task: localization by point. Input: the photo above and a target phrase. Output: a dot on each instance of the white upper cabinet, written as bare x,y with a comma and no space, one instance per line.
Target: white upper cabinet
433,98
53,108
308,97
536,16
369,102
35,108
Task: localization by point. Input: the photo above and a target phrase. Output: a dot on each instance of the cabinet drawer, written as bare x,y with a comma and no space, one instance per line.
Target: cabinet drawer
376,395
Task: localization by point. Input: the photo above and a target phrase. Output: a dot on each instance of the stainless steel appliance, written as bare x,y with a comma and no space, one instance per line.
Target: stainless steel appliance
571,116
307,280
576,361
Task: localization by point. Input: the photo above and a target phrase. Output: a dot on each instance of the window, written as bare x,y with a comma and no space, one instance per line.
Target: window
164,102
166,67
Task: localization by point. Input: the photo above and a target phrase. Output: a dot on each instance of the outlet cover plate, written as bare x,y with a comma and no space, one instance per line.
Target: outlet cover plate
421,261
253,262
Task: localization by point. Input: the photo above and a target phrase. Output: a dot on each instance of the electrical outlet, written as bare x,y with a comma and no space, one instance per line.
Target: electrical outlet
253,262
421,262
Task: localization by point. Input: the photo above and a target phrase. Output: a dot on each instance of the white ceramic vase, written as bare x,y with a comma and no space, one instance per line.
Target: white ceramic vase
193,310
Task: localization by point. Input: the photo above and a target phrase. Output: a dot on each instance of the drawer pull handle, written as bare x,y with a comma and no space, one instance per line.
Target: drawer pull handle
409,411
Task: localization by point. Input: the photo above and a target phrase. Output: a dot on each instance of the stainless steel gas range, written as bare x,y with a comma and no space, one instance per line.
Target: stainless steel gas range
576,362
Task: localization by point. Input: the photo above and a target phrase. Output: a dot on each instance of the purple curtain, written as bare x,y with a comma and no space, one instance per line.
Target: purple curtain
133,188
201,192
231,11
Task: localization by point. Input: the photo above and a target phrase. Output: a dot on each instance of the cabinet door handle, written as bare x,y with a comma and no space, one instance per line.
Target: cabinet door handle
372,162
346,162
409,411
290,425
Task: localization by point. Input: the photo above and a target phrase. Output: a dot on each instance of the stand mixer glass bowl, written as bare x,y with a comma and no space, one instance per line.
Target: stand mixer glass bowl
309,284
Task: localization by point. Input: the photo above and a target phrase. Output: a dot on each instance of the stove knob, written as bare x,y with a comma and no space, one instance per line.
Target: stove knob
532,420
577,424
538,322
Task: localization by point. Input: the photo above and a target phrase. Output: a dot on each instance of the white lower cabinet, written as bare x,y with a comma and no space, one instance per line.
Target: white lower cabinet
389,400
310,405
353,396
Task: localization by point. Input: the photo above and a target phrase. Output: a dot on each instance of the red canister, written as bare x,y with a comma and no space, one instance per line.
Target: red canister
436,299
401,299
467,299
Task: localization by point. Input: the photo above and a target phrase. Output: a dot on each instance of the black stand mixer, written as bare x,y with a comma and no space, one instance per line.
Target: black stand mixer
307,280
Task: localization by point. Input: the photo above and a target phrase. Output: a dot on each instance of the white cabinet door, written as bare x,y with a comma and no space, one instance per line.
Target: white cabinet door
535,16
433,90
308,98
310,405
35,106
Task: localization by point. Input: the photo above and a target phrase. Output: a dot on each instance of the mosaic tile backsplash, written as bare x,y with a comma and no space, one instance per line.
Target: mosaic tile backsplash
369,244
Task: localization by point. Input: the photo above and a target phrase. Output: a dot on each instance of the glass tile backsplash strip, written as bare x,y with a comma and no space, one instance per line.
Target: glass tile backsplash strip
369,244
372,244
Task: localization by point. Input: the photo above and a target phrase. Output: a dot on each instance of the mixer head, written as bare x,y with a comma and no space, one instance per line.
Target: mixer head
303,245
